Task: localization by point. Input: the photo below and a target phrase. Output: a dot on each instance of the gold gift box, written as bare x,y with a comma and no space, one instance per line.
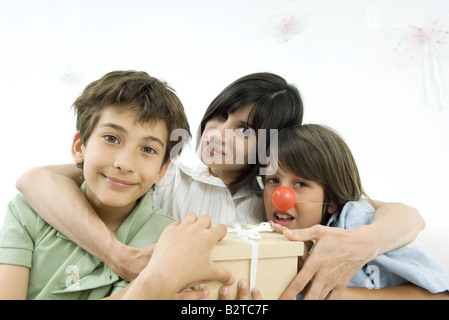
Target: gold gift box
276,260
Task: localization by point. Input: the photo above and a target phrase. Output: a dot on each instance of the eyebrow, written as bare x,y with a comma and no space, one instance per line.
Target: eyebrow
121,129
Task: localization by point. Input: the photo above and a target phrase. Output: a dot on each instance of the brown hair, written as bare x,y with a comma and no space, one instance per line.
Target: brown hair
318,153
151,99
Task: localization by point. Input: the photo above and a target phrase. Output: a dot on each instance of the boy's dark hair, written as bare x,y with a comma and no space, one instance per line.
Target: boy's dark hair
276,105
151,99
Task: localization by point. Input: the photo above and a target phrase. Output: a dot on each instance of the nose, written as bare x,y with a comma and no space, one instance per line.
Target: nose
125,161
219,132
283,198
215,135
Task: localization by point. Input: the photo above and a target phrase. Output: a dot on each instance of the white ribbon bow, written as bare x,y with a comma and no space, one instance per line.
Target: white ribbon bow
249,231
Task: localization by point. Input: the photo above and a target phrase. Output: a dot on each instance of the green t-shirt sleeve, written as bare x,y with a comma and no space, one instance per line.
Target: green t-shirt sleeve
118,287
17,233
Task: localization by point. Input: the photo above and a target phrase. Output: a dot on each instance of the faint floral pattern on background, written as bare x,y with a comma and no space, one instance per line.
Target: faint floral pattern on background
424,39
284,25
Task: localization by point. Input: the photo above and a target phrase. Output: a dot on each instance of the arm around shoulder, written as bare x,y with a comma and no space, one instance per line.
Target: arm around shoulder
72,214
394,225
69,171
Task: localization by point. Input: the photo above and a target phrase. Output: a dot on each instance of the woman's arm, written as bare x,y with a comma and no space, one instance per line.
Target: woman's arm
54,193
338,254
403,292
394,225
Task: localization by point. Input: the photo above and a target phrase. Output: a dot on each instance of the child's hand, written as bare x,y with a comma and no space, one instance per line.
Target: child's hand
182,253
181,259
243,292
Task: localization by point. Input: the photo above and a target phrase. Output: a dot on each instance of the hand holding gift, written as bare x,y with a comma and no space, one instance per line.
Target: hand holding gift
181,259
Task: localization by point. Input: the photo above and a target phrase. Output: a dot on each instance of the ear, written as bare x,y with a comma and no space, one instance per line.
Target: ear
332,208
77,148
162,171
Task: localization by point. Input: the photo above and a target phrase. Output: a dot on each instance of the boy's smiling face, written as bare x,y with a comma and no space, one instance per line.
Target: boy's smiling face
121,160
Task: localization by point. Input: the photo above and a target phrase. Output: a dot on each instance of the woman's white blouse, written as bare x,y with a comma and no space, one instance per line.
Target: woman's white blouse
187,189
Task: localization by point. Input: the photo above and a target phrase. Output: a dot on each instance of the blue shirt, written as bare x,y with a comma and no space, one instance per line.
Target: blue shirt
395,267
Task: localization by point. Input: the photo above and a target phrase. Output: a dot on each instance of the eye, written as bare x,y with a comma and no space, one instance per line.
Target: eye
271,180
245,131
111,139
148,150
301,184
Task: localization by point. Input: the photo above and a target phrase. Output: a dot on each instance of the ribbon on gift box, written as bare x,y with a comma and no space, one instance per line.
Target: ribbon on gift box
250,233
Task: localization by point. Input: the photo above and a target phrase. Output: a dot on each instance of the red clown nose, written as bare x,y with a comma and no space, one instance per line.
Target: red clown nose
283,198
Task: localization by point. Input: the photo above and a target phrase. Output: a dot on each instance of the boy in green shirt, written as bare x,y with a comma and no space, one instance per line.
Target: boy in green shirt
124,121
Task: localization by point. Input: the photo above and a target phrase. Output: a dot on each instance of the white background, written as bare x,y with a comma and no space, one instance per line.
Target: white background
50,50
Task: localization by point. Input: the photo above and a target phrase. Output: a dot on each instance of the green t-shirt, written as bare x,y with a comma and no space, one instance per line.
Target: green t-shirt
60,269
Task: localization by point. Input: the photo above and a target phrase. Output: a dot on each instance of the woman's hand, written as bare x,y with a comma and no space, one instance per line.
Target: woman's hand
336,256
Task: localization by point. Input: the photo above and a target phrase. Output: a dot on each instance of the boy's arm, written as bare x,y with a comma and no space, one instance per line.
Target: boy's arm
13,282
54,193
403,292
338,253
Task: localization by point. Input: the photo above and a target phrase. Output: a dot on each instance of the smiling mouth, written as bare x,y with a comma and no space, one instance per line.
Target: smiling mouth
119,183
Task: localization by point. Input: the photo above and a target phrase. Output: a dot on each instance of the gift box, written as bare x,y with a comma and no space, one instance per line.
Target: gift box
262,257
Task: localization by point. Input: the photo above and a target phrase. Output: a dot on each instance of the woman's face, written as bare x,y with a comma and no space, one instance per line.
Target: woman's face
228,142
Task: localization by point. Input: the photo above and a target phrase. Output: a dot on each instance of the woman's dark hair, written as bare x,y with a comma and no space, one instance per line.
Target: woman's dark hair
276,105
